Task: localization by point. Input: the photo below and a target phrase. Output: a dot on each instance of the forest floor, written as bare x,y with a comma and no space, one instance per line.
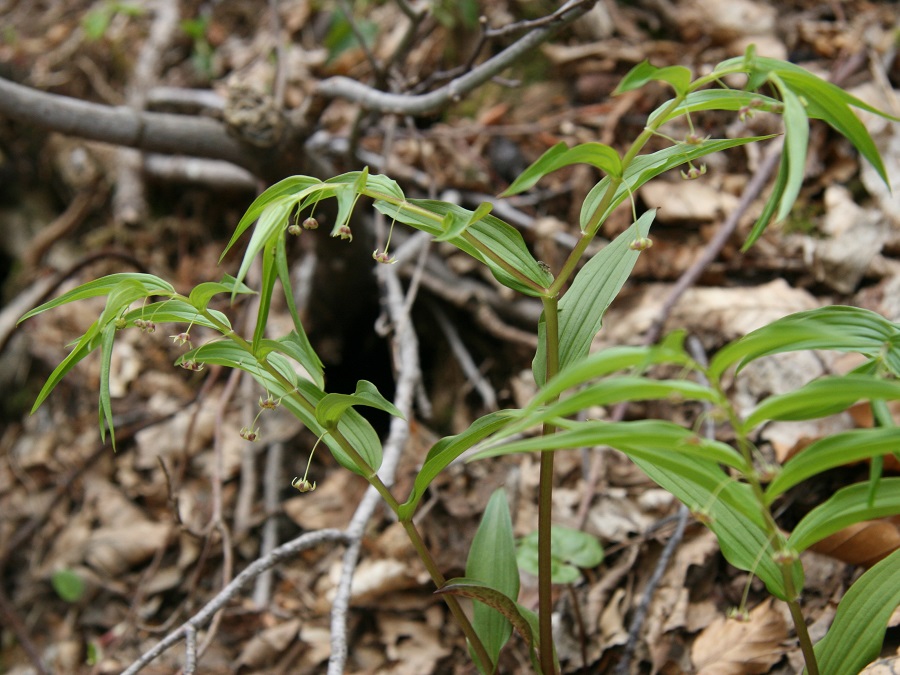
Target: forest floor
103,553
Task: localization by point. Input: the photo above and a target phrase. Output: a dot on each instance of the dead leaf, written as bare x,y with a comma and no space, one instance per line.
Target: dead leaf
889,666
268,645
732,647
862,543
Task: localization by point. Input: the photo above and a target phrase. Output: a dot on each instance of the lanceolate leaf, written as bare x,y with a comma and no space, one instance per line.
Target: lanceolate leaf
717,99
822,397
176,311
595,286
492,561
651,439
678,77
646,167
796,129
330,409
847,506
305,355
103,286
358,432
298,348
857,633
599,155
447,450
106,348
833,451
287,188
838,328
729,508
203,293
494,234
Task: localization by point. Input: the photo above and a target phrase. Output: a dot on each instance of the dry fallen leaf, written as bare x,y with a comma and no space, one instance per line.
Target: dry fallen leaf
733,647
862,543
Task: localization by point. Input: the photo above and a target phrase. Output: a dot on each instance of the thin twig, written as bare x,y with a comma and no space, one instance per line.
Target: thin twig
129,200
284,552
464,359
262,593
405,104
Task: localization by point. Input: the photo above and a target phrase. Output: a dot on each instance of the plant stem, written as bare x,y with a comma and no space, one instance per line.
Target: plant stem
545,504
481,655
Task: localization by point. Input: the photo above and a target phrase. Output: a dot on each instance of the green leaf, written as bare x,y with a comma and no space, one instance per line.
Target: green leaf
152,285
678,77
454,224
68,584
304,352
570,549
282,190
494,599
796,128
298,348
85,345
267,288
614,390
729,507
108,337
845,507
492,561
176,311
822,397
857,633
447,450
599,155
613,359
837,328
651,439
494,234
203,293
269,226
715,99
330,409
833,451
300,397
646,167
768,212
595,286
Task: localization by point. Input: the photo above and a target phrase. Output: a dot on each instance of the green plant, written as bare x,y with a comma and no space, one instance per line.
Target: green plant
729,487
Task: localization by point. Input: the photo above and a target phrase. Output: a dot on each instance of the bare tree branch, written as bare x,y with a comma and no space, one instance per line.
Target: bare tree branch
154,132
406,104
284,552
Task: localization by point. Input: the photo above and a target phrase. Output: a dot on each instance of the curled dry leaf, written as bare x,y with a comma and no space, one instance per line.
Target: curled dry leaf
732,647
862,543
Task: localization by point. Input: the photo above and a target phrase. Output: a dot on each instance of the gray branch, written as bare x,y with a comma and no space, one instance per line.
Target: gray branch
284,552
121,125
407,104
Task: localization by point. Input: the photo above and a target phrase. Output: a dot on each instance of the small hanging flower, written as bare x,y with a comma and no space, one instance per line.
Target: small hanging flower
294,229
310,224
694,139
303,485
694,173
249,433
641,244
383,257
145,326
193,366
182,339
268,403
344,232
121,323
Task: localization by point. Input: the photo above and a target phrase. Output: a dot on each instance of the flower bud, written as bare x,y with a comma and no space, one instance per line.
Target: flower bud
249,434
641,244
383,257
310,224
693,173
294,229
